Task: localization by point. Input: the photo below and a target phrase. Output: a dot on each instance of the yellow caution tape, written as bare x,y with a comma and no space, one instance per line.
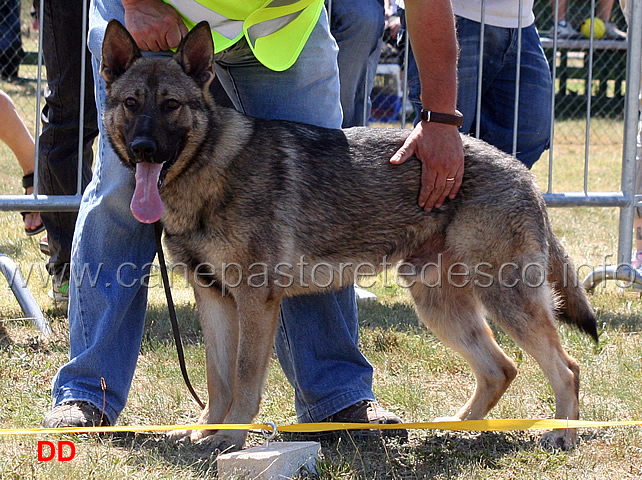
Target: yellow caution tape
466,425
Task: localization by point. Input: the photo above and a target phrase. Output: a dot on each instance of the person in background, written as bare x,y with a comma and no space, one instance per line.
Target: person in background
62,45
604,9
357,26
11,52
16,135
499,77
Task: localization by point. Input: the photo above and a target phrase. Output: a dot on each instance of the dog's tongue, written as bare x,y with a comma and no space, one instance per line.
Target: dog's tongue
146,205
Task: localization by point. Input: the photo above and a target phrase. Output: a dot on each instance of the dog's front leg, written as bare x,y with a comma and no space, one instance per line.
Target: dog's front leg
257,315
220,327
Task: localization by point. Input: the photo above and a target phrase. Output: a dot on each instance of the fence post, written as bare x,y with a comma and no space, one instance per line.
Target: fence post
22,293
631,119
622,271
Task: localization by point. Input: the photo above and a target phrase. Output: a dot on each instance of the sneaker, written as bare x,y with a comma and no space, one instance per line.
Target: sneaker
75,414
60,291
364,411
613,33
565,30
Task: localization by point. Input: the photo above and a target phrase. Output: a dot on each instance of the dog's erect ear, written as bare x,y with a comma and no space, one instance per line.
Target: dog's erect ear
196,54
119,51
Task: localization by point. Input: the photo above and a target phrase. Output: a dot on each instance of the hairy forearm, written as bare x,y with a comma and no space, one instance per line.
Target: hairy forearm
431,27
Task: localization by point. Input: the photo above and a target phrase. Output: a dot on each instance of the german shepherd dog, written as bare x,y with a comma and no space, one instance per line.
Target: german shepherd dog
242,191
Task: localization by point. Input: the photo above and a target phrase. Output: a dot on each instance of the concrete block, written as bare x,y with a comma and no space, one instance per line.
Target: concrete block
279,460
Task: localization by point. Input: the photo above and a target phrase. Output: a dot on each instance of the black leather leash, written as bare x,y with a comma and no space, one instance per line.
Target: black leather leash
158,228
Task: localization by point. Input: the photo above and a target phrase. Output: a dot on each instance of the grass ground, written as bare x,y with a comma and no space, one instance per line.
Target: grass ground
415,376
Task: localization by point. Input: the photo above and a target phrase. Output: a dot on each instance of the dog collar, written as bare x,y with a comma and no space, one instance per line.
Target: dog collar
457,119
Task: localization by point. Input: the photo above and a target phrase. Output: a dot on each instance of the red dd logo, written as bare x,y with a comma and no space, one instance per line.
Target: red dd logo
47,451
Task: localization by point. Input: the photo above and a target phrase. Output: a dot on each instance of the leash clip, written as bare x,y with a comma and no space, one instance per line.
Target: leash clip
267,436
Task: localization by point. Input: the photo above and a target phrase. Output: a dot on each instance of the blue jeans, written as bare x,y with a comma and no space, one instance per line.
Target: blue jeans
357,26
317,338
498,88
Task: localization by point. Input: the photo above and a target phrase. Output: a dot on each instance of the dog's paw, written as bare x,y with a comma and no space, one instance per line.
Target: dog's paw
563,439
179,436
447,419
223,441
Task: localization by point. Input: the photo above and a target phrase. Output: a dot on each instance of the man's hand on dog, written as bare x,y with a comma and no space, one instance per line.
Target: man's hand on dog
440,150
155,25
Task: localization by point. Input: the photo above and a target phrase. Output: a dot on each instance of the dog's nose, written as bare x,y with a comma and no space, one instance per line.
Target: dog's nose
143,148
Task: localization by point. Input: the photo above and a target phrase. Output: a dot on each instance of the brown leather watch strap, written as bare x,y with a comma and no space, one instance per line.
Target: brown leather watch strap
457,119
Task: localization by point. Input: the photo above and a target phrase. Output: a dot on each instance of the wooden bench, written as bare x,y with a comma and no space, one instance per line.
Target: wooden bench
31,58
609,64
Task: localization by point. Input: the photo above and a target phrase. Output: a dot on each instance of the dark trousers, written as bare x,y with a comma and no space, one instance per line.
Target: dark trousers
61,28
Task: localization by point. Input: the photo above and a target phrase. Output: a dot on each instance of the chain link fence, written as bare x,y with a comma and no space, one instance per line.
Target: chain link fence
588,108
589,99
575,60
19,58
581,65
590,73
11,51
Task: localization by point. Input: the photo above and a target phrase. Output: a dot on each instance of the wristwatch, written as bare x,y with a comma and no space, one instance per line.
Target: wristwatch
457,119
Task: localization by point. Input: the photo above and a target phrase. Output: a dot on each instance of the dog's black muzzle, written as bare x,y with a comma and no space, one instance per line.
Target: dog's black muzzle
143,149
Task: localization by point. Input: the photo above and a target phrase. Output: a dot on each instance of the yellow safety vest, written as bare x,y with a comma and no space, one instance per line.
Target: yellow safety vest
276,30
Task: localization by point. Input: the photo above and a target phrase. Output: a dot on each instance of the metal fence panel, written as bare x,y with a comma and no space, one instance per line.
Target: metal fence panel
590,80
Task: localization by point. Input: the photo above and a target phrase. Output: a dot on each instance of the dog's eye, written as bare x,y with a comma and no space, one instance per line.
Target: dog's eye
172,104
130,102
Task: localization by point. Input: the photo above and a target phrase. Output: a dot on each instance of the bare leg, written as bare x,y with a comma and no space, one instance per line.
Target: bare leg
561,9
15,134
604,9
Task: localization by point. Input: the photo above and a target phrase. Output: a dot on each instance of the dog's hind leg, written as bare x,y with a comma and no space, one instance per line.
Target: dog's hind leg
455,317
526,314
219,324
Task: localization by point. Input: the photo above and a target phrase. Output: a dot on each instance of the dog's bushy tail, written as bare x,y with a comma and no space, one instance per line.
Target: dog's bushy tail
574,307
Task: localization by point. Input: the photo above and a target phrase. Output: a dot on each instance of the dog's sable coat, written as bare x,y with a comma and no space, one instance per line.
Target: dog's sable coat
243,191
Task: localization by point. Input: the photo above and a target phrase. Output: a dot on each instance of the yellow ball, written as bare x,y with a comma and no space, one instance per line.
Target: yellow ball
598,30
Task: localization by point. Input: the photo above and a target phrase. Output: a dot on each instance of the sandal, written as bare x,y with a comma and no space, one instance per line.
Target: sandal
27,182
